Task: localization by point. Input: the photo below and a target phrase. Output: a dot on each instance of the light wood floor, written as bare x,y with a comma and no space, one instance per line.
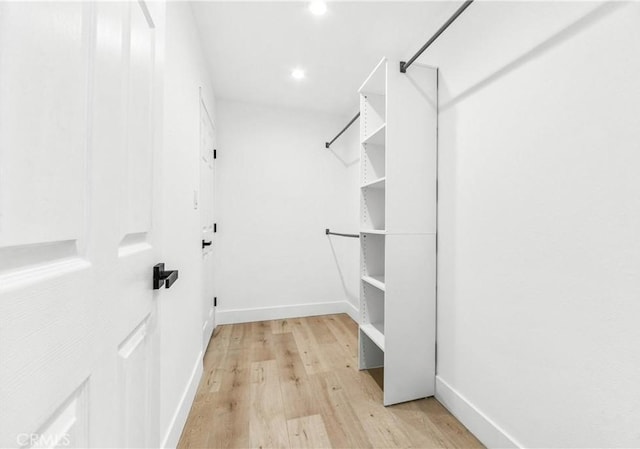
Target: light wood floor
295,384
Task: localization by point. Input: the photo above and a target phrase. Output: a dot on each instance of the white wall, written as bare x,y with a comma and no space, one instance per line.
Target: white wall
277,190
180,306
539,217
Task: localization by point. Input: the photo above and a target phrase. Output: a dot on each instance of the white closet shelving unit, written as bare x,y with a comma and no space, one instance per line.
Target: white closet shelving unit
398,133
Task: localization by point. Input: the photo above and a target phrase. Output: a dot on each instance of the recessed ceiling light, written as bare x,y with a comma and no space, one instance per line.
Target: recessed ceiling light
297,74
318,8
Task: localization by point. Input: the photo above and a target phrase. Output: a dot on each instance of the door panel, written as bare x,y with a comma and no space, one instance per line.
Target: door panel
135,371
78,334
136,203
44,60
44,325
122,404
44,348
136,335
68,427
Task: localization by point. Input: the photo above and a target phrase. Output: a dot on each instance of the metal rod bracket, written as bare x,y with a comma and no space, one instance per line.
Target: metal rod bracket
328,232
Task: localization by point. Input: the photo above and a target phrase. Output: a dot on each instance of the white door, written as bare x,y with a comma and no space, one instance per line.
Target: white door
207,171
78,216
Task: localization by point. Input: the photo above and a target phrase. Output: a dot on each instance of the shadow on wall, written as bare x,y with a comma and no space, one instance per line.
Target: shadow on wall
351,296
563,35
344,162
346,251
446,208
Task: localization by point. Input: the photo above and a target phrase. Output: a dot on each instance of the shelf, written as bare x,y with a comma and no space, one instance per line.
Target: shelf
376,184
377,137
376,281
373,231
375,331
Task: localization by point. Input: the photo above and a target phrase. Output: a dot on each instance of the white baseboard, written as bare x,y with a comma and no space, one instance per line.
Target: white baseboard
172,437
280,312
487,431
352,311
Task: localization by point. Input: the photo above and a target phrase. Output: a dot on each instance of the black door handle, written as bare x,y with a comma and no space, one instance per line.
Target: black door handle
162,277
205,243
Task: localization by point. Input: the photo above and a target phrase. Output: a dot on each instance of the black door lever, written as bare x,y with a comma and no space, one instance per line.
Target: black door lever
205,243
162,277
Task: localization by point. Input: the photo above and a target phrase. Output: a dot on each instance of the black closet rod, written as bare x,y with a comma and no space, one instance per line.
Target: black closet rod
405,65
328,232
328,144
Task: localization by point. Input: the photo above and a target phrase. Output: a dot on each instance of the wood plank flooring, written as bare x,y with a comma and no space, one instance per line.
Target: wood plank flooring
295,383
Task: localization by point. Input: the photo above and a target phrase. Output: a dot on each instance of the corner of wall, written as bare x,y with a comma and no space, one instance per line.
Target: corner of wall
352,310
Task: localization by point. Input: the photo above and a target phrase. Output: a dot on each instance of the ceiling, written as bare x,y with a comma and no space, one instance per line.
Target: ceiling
252,47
